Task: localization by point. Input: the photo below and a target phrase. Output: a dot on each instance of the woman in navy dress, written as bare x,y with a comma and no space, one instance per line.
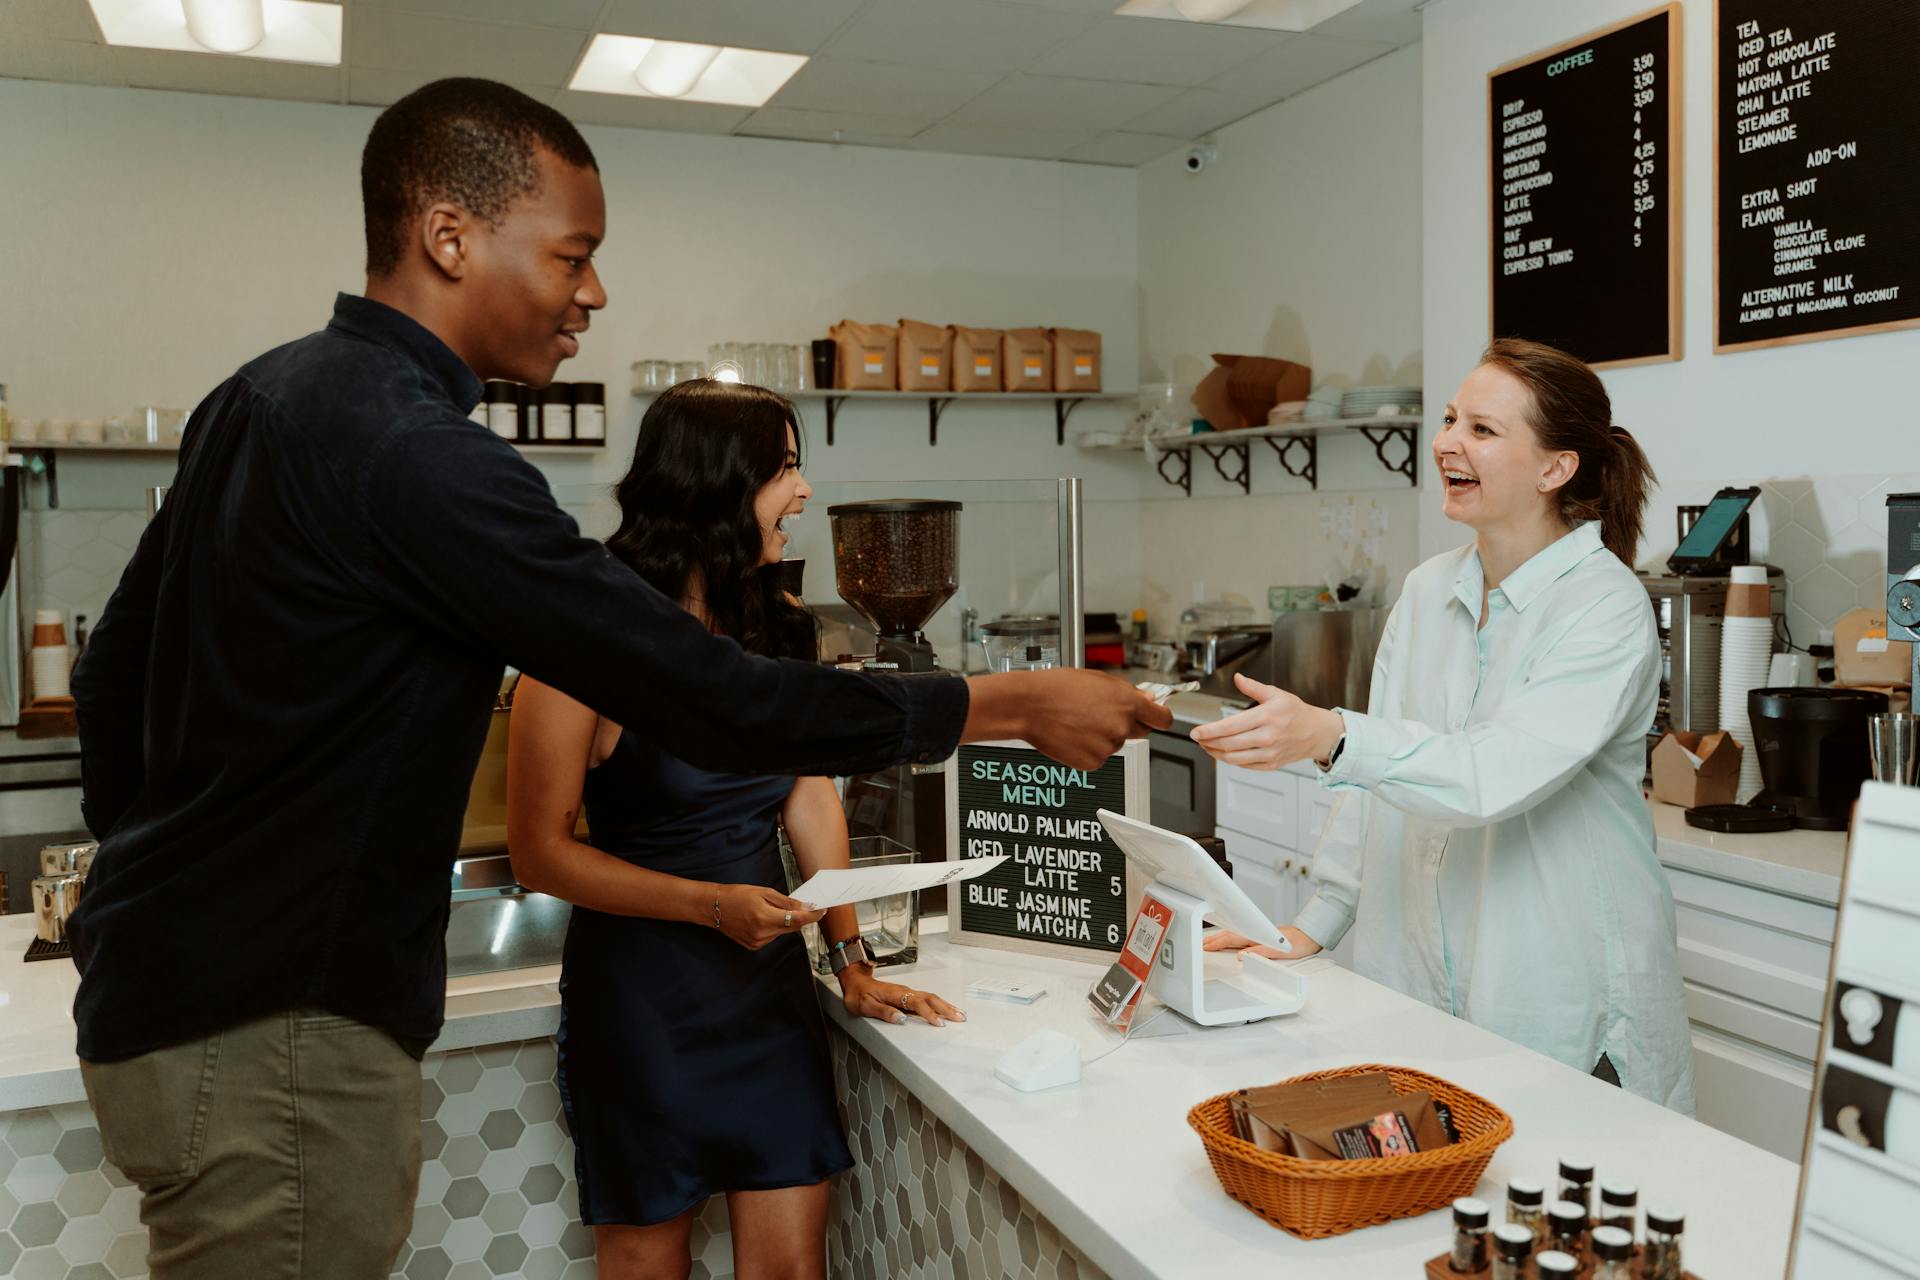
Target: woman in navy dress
693,1056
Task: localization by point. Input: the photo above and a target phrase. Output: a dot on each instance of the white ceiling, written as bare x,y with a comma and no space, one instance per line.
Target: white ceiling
1046,79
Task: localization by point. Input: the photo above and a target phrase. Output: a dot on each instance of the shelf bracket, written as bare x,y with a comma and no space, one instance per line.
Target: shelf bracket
1063,407
1183,481
1407,436
1218,453
936,405
1283,446
44,463
833,404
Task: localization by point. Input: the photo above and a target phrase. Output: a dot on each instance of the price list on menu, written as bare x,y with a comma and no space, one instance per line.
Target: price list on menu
1817,170
1585,177
1065,880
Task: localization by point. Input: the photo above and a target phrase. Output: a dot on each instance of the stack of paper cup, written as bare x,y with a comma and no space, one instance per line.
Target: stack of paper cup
49,662
1746,649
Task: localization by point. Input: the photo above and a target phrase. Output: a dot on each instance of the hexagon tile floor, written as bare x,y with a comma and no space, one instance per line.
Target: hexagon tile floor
497,1195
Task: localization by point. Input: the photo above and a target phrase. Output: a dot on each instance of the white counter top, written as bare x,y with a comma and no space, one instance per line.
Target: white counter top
1113,1164
38,1067
1801,864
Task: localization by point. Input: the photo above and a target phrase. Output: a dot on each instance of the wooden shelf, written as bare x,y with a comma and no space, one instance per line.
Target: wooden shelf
1064,403
1289,441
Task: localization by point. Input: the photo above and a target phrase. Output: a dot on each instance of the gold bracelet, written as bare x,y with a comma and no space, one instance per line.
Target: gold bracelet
716,911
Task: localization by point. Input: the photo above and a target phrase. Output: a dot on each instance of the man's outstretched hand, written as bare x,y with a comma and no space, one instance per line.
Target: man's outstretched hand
1077,717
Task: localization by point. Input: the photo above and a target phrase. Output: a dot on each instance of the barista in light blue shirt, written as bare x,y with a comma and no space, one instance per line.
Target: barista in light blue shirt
1488,843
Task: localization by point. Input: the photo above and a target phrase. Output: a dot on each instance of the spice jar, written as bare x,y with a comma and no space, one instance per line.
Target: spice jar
556,413
1554,1265
1567,1227
1512,1245
1619,1203
590,413
1613,1254
1527,1206
1469,1235
503,409
1576,1182
1662,1258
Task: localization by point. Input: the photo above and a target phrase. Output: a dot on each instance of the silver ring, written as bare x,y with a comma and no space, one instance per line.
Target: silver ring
789,920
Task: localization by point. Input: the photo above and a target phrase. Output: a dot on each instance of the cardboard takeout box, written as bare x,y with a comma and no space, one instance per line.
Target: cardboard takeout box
1677,780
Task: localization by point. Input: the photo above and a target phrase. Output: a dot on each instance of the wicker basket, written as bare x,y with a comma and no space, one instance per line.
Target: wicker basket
1313,1199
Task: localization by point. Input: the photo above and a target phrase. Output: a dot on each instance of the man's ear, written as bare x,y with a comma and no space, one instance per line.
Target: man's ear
446,231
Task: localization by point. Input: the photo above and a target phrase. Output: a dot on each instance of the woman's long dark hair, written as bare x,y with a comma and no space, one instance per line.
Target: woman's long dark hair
706,449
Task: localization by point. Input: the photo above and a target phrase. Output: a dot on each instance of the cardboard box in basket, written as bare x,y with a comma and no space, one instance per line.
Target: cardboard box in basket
976,358
1677,779
925,351
865,356
1026,360
1076,359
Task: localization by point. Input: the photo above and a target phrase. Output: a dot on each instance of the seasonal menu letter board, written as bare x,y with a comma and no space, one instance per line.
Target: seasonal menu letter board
1065,889
1816,170
1585,166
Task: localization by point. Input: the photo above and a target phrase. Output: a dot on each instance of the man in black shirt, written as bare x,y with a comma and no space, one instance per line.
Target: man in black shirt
283,704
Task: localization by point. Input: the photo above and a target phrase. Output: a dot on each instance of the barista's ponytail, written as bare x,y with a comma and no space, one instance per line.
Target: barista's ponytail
1571,414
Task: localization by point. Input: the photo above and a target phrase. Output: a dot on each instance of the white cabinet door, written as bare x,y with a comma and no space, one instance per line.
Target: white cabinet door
1261,803
1751,1093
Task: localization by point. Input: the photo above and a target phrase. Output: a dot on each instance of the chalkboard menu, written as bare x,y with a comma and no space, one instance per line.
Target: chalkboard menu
1065,889
1585,162
1816,170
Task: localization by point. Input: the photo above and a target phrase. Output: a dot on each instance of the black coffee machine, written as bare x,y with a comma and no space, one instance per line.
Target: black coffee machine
896,562
1813,750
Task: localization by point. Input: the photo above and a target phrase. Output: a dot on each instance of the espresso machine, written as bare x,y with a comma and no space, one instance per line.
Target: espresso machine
895,562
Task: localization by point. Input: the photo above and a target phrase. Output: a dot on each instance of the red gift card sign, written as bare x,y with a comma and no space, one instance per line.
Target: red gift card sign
1117,992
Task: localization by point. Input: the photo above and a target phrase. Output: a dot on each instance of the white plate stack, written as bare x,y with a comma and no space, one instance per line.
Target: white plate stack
1380,401
1746,650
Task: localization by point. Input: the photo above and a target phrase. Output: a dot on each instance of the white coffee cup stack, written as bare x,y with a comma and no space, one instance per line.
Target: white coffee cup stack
1746,651
49,661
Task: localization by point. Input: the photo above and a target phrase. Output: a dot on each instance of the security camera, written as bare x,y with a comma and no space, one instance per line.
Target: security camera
1199,157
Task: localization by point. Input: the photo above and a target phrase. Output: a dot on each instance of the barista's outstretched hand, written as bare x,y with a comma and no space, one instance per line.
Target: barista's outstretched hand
1275,731
1077,717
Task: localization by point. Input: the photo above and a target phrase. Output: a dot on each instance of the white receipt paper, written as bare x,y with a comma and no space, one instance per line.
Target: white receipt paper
841,885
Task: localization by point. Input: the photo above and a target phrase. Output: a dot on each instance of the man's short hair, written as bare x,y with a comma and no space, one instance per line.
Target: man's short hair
469,142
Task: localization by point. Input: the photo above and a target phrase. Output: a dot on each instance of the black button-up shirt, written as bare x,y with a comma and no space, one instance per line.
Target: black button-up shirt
283,704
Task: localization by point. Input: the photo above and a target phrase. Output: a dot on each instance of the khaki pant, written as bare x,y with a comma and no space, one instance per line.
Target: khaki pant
286,1148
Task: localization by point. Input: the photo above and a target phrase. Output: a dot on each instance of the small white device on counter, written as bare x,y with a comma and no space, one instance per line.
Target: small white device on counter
1192,886
1009,989
1046,1059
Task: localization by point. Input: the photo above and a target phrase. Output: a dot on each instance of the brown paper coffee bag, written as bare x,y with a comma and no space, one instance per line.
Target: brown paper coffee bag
976,358
866,356
925,357
1026,360
1076,359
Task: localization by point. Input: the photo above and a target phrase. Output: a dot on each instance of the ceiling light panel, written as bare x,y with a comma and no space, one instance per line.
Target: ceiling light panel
1274,15
290,30
734,77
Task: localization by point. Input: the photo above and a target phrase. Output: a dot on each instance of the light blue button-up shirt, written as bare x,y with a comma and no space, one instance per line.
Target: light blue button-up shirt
1489,842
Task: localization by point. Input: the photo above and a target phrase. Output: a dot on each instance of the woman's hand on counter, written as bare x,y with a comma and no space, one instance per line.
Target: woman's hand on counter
868,997
754,915
1226,940
1276,731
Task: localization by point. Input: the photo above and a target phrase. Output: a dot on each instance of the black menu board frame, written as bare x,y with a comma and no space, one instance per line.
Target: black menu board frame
1613,311
1040,817
1862,205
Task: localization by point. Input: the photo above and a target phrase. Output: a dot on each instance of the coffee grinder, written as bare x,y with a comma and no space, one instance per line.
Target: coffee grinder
896,562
